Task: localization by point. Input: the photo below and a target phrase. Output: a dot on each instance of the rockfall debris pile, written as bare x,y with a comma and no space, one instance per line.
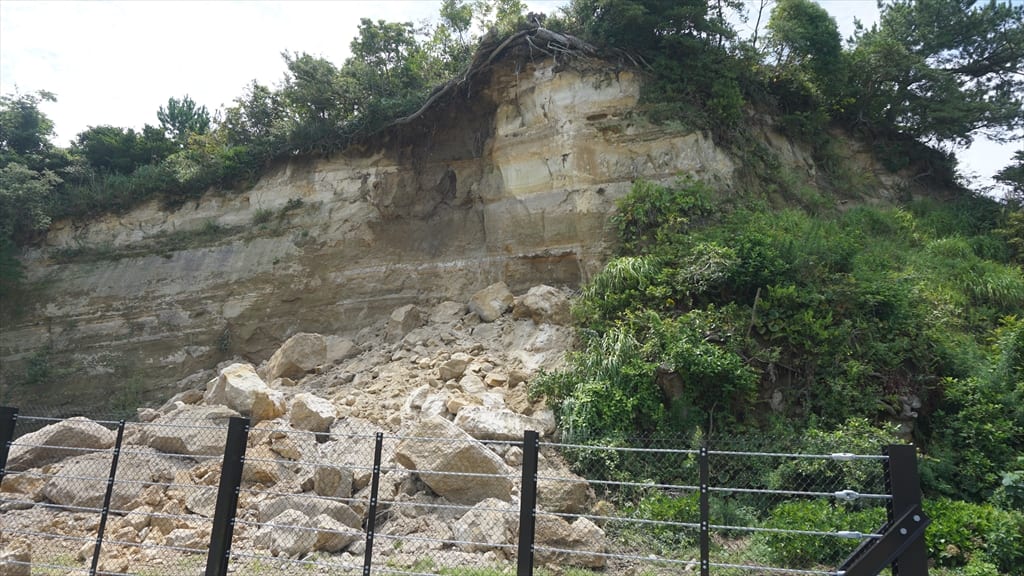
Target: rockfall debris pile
449,384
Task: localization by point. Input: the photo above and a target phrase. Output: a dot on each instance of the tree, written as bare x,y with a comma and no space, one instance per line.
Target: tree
393,58
25,131
944,70
254,116
803,35
647,26
685,43
122,150
181,118
501,16
315,90
450,42
26,179
1012,231
1012,176
24,200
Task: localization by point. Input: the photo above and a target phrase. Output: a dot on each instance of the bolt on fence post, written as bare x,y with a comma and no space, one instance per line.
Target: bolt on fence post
902,482
227,497
705,511
371,512
528,503
8,418
105,511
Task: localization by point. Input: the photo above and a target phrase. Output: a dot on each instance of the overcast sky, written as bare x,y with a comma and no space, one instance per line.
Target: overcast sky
117,62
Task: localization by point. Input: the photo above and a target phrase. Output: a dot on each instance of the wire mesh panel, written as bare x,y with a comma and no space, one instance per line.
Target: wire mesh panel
164,496
766,511
447,502
803,510
631,507
159,507
303,499
52,493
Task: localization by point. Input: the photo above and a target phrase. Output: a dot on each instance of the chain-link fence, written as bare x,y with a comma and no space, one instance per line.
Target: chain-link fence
754,510
105,497
203,491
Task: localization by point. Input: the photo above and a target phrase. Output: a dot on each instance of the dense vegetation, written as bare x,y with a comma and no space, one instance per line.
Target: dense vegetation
724,313
848,318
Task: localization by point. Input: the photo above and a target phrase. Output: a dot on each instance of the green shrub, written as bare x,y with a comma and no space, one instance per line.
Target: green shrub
663,507
625,283
610,388
962,532
976,438
856,436
806,551
652,215
262,216
717,383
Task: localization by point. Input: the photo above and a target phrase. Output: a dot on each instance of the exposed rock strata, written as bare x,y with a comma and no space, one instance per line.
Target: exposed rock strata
513,185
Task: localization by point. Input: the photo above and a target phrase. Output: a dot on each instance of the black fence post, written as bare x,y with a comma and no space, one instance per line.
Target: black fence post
8,418
371,512
705,511
105,511
903,483
528,503
227,497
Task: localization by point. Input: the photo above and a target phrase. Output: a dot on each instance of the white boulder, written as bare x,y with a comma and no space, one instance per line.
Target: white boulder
491,302
311,412
544,305
50,444
435,448
298,355
236,387
485,423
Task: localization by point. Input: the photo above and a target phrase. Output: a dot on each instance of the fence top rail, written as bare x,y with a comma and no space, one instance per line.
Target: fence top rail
837,456
449,440
630,484
450,473
59,447
254,428
223,428
649,558
627,520
43,565
847,495
618,448
286,560
20,416
772,569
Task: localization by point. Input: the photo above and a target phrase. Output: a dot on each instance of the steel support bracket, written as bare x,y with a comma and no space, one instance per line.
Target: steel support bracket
872,558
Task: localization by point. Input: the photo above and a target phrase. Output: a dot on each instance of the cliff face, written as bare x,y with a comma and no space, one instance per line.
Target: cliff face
514,183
